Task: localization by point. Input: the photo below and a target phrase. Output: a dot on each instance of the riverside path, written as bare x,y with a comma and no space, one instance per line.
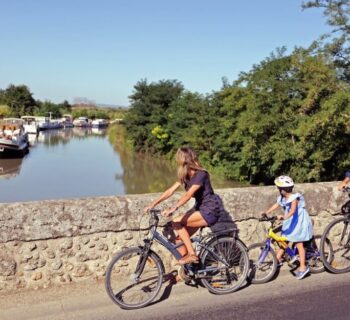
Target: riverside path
320,296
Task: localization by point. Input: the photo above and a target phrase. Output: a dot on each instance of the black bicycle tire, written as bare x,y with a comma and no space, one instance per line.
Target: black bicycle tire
108,279
327,263
274,264
245,270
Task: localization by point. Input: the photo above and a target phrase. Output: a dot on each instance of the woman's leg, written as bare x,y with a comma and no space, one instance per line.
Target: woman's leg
182,249
185,226
301,251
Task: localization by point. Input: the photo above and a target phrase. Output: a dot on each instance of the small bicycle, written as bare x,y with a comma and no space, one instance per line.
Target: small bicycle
263,260
337,236
134,276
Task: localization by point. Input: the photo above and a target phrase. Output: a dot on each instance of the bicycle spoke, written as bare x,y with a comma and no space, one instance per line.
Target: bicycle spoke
339,236
128,285
223,278
263,263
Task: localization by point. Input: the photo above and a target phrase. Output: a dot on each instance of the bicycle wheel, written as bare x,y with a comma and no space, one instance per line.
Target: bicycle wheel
128,289
263,263
337,234
225,280
313,255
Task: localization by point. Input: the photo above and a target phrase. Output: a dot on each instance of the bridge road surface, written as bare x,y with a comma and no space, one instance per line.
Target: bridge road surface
319,296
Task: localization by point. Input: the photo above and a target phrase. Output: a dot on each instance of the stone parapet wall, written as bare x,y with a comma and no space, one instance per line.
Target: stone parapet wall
44,243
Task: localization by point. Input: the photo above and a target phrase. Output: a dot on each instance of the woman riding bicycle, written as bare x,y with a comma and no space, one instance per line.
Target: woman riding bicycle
206,210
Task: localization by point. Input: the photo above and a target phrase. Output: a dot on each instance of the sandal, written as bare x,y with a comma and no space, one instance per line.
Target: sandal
189,258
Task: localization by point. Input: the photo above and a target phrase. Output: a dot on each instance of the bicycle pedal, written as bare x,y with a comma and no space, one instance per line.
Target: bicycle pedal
216,284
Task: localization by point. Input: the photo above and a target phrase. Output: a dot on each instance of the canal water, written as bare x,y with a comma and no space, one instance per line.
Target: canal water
82,162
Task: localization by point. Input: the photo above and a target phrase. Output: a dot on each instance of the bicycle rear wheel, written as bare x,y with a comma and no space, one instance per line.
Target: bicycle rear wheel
263,263
313,255
130,286
220,279
337,236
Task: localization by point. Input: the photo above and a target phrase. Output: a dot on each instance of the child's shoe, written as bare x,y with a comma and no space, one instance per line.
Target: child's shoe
301,274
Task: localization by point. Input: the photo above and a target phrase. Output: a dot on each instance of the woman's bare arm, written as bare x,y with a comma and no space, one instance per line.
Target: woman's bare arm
183,200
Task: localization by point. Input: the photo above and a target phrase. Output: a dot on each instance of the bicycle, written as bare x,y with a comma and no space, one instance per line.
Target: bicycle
263,258
337,233
134,276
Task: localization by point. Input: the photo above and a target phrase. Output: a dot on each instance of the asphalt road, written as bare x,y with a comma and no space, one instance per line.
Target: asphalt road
320,296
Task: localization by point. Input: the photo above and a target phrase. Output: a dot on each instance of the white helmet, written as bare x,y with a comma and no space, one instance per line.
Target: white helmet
284,182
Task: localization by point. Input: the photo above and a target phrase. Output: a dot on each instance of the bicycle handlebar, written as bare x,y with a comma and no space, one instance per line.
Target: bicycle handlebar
346,189
266,218
155,211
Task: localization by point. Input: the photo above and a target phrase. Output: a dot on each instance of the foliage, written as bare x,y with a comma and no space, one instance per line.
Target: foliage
288,115
98,113
4,111
148,113
336,44
18,99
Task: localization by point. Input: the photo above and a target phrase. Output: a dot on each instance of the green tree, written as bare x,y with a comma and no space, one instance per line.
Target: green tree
336,44
148,113
273,115
19,100
48,108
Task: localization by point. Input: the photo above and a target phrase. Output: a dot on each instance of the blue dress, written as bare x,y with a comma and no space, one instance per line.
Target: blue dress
298,228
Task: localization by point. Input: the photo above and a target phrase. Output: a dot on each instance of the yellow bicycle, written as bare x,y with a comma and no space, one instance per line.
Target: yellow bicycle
263,260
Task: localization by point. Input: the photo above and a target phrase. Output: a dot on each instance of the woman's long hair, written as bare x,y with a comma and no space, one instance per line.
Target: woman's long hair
187,160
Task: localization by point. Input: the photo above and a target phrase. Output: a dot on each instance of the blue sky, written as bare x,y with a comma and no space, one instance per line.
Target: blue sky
99,49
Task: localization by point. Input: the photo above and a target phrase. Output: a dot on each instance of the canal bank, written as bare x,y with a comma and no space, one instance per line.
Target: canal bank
44,243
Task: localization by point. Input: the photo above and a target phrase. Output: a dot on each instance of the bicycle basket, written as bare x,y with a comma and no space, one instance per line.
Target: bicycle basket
345,209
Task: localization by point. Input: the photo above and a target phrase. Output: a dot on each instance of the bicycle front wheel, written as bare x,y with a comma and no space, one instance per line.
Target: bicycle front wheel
263,263
132,279
335,246
221,279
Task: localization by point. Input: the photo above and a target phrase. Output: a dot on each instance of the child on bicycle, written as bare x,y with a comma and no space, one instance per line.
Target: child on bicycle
345,181
297,226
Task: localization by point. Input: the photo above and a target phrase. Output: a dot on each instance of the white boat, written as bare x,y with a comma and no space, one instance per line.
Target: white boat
45,123
13,138
81,122
30,124
67,121
99,123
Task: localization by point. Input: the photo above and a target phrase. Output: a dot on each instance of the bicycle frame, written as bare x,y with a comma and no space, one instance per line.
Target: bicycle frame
281,242
172,248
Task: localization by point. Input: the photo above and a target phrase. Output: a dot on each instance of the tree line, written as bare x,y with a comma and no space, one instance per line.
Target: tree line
290,114
17,101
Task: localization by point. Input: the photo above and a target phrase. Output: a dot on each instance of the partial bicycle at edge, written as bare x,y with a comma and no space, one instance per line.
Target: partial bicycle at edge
337,236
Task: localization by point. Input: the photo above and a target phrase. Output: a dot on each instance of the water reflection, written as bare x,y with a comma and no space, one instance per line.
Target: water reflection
82,162
10,168
56,137
143,173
